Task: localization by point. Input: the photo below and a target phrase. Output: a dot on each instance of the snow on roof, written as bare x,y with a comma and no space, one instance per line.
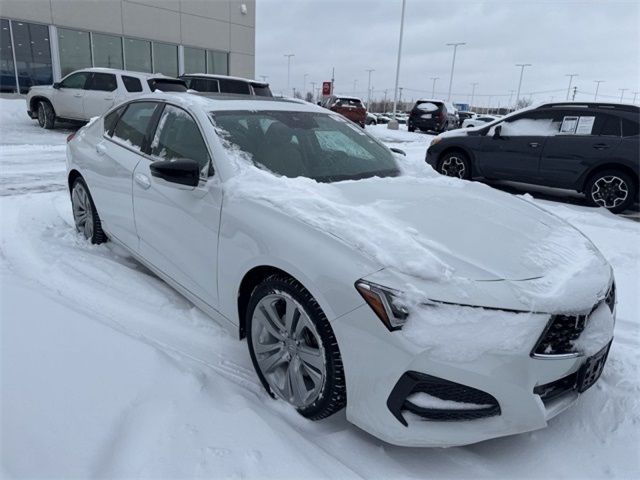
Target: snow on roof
346,97
213,75
145,75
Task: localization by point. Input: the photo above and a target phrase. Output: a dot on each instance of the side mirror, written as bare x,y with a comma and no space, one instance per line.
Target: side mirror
183,171
497,131
57,85
398,151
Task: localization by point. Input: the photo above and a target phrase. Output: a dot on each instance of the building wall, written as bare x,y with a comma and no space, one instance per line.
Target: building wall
211,24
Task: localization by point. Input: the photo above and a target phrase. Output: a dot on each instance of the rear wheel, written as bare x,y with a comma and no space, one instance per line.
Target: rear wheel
46,115
455,164
85,215
411,128
611,189
293,348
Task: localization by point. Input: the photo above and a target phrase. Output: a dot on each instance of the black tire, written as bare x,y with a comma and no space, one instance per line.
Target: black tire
606,188
46,115
455,164
81,214
411,128
333,395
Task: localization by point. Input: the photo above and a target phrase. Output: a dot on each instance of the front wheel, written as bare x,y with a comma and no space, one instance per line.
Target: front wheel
293,348
46,115
455,164
611,189
85,215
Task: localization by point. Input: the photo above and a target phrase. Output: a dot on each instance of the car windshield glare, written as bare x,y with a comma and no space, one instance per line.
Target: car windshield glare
323,147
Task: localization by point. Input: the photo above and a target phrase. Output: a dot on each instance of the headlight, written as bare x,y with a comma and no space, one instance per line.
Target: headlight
385,303
438,139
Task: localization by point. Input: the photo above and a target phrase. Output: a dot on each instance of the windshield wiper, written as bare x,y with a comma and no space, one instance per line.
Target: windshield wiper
356,176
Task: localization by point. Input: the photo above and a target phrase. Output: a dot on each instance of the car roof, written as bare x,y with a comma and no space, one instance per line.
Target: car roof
130,73
430,100
217,77
625,107
225,101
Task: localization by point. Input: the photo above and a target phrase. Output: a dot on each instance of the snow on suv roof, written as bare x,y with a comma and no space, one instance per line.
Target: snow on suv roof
213,75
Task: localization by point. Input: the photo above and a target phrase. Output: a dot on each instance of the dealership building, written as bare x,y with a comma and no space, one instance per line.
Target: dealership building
44,40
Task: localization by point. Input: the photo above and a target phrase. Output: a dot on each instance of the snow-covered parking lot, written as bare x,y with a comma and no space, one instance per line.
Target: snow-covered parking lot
106,371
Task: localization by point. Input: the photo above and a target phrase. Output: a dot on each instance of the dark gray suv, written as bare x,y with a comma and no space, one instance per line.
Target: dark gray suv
588,147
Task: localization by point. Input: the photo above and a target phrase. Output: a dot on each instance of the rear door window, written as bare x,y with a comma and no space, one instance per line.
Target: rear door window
608,126
132,84
167,85
111,119
133,125
262,90
234,86
104,82
629,128
208,85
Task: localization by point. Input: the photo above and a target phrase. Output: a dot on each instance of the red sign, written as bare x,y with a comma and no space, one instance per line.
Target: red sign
326,88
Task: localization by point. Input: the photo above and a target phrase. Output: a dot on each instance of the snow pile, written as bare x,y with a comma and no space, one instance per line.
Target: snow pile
424,400
596,333
456,333
529,127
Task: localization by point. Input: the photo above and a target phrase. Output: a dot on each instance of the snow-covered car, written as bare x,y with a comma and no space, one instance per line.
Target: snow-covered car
90,92
478,120
347,274
371,119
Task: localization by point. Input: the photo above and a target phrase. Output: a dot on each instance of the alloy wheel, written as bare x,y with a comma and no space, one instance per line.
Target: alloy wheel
288,349
609,191
453,167
82,210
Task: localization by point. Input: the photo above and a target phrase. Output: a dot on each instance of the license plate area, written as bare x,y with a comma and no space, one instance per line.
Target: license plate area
592,368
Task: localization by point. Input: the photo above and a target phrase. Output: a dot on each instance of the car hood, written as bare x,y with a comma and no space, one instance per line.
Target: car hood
477,231
41,88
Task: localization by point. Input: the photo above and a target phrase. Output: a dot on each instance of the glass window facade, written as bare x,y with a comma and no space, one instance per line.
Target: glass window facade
32,54
107,51
75,50
217,62
137,55
195,60
7,68
165,59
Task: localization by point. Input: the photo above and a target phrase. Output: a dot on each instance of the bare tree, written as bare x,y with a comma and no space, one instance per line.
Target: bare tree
523,102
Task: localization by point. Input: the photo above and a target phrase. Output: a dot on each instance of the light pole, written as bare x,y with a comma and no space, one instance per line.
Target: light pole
511,92
453,64
393,124
522,67
570,75
622,90
634,97
289,55
369,87
304,84
355,86
597,82
473,92
433,87
313,91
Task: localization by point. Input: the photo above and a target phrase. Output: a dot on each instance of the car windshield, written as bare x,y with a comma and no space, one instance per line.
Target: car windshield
323,147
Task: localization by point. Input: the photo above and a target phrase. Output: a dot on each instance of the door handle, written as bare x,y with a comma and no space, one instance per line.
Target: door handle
601,146
142,180
108,98
534,144
77,95
101,149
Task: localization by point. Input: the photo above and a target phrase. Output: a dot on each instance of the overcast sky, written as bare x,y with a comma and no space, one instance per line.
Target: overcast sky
599,40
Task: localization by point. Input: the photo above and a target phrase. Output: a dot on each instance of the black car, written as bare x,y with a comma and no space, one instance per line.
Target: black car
432,115
209,83
592,148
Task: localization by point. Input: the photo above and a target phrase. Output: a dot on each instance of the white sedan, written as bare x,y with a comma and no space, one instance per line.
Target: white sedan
437,311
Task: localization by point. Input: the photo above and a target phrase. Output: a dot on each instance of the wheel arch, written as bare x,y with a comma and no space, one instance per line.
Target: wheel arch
33,103
72,176
613,165
464,151
249,282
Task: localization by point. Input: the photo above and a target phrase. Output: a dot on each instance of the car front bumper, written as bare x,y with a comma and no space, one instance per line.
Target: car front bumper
377,362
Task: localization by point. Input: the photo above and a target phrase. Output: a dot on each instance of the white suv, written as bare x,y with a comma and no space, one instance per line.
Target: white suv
90,92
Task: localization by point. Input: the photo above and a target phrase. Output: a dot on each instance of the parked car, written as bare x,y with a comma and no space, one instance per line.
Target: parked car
478,120
402,118
371,119
90,92
432,115
589,147
426,337
349,107
209,83
382,118
464,115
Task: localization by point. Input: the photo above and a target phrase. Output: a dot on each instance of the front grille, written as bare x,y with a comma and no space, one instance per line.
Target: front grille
415,382
563,330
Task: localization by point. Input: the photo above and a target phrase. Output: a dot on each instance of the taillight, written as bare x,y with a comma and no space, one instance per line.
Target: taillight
70,137
442,115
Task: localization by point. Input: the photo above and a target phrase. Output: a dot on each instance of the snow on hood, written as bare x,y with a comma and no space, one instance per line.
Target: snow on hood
439,228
